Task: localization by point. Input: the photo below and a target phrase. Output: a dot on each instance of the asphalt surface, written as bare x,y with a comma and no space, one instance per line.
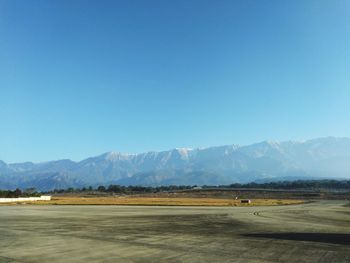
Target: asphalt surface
313,232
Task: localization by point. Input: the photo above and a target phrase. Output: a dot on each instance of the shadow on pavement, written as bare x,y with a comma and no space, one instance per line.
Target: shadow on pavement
333,238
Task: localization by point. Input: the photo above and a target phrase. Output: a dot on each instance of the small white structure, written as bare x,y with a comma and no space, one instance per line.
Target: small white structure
24,199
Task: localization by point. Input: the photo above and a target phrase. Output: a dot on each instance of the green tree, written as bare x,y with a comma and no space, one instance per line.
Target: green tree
101,188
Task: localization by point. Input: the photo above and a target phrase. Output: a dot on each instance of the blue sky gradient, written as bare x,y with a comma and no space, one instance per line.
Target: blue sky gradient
79,78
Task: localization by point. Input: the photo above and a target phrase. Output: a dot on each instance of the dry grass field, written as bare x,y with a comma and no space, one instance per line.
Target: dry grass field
159,201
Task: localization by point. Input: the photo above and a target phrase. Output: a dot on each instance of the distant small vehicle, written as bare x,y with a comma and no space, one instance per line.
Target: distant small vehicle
246,201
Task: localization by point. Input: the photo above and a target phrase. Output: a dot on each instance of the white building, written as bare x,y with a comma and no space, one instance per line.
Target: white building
25,199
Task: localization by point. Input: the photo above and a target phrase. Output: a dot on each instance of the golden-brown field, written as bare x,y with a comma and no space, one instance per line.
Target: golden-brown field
166,201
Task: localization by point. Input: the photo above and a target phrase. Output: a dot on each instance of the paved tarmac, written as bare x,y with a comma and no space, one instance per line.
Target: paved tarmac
312,232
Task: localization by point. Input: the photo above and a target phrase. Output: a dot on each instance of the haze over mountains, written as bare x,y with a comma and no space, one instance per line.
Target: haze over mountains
269,160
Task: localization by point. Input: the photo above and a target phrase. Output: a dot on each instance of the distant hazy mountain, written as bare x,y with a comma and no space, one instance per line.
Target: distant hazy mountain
319,158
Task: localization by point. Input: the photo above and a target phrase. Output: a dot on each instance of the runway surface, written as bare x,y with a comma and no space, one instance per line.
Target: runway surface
312,232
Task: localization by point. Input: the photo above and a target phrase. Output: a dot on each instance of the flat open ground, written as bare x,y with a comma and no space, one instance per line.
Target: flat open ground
149,200
311,232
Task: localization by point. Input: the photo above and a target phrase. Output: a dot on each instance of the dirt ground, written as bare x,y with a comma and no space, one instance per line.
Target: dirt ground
311,232
227,193
149,200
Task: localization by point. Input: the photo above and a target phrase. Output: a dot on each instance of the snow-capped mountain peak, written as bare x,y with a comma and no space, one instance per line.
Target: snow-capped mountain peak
324,157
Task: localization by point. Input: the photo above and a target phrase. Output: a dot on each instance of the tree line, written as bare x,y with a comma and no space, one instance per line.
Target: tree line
326,184
113,188
29,192
283,185
120,189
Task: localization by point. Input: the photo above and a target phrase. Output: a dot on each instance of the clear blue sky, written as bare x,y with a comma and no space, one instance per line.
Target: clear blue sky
79,78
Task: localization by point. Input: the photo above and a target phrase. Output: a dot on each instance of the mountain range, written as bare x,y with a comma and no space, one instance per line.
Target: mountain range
266,161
